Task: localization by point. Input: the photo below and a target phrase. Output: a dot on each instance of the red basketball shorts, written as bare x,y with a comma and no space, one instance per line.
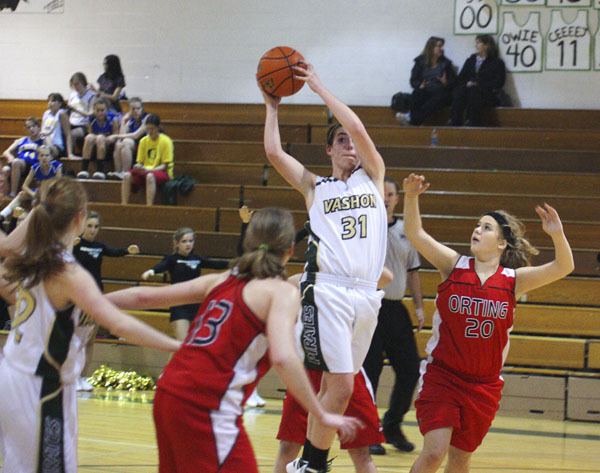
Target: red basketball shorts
446,400
292,427
194,439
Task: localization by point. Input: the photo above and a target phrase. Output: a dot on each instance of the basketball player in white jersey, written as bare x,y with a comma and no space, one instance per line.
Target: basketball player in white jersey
345,256
45,350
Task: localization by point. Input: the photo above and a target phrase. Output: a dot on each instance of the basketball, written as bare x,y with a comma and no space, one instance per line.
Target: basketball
275,74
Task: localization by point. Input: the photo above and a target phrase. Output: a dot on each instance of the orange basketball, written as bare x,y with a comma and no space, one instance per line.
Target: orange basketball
275,74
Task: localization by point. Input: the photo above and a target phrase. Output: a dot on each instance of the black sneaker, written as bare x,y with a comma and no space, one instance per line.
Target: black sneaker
400,442
377,449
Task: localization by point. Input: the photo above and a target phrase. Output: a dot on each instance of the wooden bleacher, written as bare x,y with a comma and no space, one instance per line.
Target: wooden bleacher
536,156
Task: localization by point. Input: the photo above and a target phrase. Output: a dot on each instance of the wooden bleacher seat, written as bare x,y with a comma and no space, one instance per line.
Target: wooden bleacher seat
478,137
594,355
537,319
545,352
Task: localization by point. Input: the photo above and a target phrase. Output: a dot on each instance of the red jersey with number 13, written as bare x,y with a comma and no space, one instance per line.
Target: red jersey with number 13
224,354
472,322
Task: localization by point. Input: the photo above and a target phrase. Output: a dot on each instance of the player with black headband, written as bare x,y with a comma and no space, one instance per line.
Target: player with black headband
460,384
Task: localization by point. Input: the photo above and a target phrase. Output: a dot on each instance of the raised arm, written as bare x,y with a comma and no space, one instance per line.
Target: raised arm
281,319
188,292
532,277
370,158
289,167
440,256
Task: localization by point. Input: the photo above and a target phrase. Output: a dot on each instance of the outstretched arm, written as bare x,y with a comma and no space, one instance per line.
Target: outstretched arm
289,167
440,256
370,158
532,277
80,287
188,292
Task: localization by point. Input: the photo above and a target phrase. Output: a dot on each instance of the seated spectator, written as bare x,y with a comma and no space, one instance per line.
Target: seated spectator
80,104
103,126
41,171
154,163
56,129
23,153
479,82
133,128
111,83
432,79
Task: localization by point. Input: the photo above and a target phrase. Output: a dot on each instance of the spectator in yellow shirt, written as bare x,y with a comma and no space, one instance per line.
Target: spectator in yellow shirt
154,163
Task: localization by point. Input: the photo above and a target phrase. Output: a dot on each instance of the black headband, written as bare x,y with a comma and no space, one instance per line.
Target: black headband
506,230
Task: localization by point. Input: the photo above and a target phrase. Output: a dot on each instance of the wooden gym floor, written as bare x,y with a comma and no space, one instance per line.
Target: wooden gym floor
116,435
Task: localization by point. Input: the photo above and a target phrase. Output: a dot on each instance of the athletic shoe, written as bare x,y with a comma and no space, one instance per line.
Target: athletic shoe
301,466
116,176
400,442
377,449
255,400
83,175
84,385
99,175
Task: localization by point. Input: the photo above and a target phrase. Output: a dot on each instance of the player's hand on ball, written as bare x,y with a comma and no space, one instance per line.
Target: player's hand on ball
414,185
346,427
270,100
306,73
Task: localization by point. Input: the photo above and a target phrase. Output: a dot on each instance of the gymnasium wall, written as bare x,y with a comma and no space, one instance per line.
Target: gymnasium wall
207,50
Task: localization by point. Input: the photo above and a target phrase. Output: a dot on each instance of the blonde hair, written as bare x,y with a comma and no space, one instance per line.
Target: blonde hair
269,236
519,250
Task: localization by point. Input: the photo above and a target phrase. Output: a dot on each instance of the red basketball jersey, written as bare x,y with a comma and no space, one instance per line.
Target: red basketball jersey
223,355
472,322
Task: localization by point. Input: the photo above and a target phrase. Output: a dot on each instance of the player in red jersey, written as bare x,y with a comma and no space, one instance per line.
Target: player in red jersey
245,311
460,385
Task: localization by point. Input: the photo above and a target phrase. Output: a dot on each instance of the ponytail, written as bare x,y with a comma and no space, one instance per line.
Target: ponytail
42,255
269,237
519,250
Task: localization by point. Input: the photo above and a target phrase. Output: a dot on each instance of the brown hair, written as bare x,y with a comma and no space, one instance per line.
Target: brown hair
179,234
490,42
429,47
33,120
42,255
393,182
78,77
518,251
269,236
331,133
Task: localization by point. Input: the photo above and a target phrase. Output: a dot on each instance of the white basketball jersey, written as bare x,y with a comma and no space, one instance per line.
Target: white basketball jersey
568,45
42,336
348,228
479,17
521,45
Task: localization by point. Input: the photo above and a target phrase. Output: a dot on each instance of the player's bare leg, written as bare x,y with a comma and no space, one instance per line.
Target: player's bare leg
286,453
435,447
459,461
362,460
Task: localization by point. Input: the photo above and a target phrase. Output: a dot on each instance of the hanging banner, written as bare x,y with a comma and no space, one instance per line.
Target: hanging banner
570,3
475,17
32,6
523,3
521,46
568,45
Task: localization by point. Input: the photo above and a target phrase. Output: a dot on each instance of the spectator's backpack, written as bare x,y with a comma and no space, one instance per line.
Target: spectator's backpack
179,185
401,102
